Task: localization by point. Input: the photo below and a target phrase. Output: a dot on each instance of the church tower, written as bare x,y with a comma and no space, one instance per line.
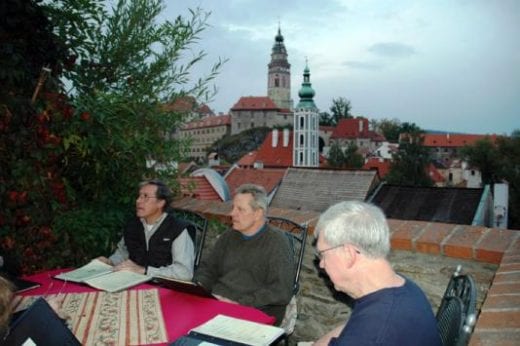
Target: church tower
306,126
279,75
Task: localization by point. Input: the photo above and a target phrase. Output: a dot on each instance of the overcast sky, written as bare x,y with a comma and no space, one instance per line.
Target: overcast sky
451,65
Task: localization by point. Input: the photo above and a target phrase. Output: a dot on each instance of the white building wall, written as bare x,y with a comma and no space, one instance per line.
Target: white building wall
306,138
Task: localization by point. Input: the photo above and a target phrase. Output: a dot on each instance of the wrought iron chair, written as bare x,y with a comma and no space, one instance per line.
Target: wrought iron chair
297,235
457,313
197,227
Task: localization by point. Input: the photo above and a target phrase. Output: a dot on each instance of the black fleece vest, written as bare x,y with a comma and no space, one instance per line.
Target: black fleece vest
159,252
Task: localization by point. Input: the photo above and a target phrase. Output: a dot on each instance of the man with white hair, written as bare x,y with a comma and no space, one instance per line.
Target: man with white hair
353,241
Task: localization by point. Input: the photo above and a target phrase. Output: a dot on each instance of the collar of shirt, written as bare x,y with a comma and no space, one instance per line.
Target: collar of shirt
154,225
260,231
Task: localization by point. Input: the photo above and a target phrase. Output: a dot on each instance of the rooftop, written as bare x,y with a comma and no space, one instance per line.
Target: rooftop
448,205
316,189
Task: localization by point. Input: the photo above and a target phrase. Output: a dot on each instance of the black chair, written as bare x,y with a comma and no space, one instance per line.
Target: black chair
457,315
297,235
450,320
197,227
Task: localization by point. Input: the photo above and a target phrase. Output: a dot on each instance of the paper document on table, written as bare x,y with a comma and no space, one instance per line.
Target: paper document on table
117,281
238,330
102,276
90,270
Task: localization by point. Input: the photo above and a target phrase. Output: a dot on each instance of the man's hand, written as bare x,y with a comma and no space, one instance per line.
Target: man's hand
130,266
105,260
224,299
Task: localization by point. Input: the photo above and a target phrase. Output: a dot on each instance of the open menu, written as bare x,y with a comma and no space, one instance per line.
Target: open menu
102,276
225,330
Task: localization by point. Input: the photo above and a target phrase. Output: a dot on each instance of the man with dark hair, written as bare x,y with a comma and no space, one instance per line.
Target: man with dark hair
251,264
154,242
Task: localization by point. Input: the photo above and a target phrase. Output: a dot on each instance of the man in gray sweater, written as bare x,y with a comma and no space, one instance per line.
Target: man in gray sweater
251,264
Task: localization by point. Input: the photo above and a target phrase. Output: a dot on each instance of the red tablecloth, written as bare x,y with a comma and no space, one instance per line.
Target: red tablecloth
181,311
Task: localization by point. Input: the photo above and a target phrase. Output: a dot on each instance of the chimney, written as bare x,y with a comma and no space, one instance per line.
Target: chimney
285,137
275,138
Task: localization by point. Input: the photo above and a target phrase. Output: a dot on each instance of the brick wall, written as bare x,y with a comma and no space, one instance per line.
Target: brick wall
499,320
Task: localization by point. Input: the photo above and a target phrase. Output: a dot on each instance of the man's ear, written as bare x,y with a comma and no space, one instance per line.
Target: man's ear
163,204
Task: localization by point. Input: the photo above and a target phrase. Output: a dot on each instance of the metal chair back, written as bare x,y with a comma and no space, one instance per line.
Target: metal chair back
297,235
197,227
461,286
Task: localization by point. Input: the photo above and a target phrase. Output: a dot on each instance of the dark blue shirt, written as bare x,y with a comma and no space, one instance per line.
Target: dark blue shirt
396,316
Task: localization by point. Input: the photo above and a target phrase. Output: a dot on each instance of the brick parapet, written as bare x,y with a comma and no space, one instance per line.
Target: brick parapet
499,321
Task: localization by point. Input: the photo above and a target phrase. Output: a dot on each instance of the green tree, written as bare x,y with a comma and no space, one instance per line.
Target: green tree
326,119
410,163
509,155
83,154
353,159
484,156
336,158
499,162
340,109
390,129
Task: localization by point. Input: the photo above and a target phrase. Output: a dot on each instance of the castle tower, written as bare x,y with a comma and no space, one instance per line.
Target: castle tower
279,75
306,126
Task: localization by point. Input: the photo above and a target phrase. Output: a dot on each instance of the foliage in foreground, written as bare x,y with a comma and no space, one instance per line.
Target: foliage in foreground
71,162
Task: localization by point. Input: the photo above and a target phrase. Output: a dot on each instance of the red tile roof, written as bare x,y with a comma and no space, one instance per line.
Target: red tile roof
278,156
381,165
327,128
211,121
188,104
248,159
453,140
255,103
268,178
355,128
199,188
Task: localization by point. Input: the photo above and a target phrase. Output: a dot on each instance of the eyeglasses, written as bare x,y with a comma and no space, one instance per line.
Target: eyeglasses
145,197
319,254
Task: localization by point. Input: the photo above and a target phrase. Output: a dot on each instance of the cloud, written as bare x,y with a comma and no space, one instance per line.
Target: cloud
362,65
392,50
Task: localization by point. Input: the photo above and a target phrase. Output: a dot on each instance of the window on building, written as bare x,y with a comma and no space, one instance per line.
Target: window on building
302,122
252,124
301,158
276,82
301,140
450,177
473,172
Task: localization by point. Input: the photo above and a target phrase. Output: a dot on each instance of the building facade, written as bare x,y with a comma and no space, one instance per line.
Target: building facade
204,132
279,75
257,111
306,126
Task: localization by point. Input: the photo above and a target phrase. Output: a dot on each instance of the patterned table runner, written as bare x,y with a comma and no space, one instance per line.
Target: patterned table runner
101,318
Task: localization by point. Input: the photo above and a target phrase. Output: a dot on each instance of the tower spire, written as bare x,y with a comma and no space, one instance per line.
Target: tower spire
279,74
306,125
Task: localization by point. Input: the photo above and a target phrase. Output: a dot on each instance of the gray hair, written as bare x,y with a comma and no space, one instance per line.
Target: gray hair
259,194
163,191
362,224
